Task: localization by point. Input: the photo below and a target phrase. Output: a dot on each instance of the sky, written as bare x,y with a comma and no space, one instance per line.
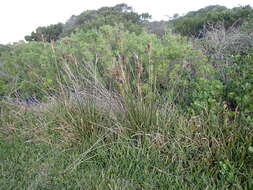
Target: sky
20,17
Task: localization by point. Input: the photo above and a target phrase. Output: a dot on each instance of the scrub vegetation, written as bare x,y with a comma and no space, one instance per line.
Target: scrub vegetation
110,100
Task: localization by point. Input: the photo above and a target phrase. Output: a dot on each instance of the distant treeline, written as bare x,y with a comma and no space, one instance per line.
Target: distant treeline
193,24
120,14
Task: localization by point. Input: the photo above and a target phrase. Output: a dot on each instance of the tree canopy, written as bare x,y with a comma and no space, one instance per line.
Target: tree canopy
193,23
46,33
120,14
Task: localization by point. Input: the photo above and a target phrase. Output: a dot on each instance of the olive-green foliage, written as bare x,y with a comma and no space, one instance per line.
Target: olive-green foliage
46,34
231,54
28,69
169,65
240,84
92,19
194,23
129,109
119,14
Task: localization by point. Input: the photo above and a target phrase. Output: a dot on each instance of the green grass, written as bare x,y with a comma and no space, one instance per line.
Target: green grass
47,149
26,165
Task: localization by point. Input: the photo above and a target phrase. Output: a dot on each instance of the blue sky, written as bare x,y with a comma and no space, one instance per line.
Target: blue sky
20,17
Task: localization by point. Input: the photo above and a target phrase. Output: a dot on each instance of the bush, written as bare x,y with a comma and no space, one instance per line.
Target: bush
231,54
169,66
193,23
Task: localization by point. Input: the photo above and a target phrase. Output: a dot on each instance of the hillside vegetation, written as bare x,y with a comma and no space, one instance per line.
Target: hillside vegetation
109,100
194,23
92,19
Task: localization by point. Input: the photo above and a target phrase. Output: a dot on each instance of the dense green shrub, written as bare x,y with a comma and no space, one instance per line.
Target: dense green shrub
46,34
28,69
168,66
193,23
92,19
230,52
240,84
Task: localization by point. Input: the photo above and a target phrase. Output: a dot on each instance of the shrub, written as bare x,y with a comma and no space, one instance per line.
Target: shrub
142,64
231,54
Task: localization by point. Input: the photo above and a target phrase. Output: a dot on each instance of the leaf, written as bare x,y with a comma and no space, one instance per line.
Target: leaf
250,149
